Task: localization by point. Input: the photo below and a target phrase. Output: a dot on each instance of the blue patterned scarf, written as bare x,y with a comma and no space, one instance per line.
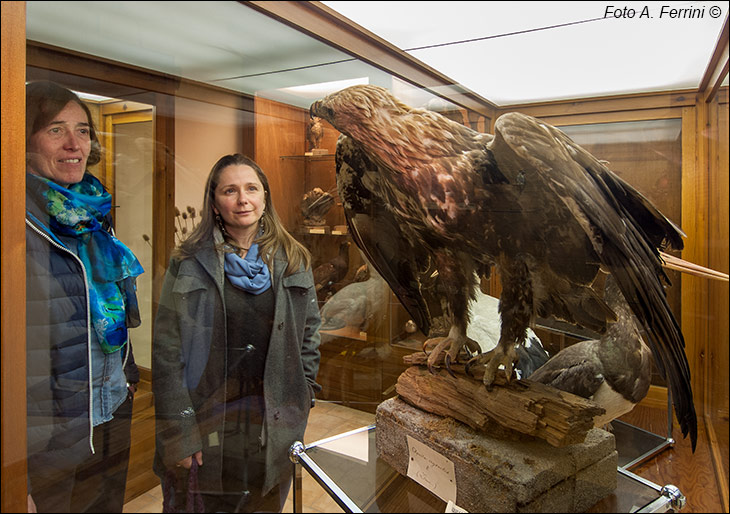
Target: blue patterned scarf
249,273
79,212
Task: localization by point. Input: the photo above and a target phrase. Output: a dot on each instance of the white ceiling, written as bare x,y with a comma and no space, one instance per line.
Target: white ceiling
521,52
222,43
516,58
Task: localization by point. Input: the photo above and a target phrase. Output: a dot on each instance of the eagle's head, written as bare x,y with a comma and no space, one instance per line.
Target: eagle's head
346,110
394,134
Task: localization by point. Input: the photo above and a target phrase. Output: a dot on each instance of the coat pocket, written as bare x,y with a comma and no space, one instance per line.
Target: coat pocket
301,280
190,293
196,301
300,290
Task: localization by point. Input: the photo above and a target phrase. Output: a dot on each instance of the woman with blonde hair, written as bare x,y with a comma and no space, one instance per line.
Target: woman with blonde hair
236,350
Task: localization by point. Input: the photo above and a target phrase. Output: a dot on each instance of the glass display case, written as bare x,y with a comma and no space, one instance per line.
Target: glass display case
172,87
348,468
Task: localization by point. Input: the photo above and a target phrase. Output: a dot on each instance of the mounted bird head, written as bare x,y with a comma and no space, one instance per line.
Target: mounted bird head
400,136
343,109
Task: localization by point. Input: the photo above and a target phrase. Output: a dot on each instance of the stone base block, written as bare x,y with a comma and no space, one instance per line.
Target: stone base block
500,475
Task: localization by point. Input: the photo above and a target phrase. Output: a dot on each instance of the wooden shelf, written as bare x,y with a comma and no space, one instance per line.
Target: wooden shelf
328,157
348,332
324,230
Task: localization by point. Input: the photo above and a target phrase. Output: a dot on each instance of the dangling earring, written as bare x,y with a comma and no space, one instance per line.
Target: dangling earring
221,226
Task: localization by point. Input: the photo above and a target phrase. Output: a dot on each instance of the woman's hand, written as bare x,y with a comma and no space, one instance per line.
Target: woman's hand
188,461
31,504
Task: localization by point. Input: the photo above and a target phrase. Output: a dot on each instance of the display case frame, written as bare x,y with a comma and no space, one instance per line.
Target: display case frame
342,477
703,111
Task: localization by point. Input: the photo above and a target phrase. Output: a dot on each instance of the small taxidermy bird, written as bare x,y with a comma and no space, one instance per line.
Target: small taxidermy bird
359,305
315,131
613,371
434,205
328,274
315,205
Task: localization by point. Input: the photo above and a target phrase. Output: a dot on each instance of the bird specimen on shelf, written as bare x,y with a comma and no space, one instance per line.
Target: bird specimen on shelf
361,274
328,274
315,131
360,305
315,205
527,201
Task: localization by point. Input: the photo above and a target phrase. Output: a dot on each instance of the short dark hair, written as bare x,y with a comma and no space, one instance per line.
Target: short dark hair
43,101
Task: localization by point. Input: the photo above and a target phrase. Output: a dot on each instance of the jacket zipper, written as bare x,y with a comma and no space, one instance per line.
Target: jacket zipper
88,326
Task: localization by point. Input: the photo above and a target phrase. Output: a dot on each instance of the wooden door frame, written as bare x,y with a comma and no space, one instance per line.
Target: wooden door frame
14,464
118,113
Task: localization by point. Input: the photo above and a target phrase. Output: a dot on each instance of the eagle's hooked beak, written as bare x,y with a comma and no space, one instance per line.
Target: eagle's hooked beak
313,108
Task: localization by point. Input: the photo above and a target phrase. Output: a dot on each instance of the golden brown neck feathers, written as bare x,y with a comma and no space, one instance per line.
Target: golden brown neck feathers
397,134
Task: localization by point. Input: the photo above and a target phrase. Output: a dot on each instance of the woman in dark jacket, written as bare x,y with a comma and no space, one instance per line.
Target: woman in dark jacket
236,349
80,302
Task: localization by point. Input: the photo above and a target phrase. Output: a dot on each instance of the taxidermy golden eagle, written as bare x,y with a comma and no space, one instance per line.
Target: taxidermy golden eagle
434,205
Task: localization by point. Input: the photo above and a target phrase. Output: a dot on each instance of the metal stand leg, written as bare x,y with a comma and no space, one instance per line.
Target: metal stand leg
297,491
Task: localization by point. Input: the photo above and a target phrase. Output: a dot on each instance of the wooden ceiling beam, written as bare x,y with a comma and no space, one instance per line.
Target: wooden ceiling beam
717,68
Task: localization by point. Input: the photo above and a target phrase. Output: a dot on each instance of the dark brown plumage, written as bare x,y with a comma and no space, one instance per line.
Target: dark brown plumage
614,371
328,274
435,205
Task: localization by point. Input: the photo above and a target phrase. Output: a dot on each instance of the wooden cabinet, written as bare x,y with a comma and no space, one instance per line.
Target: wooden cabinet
363,334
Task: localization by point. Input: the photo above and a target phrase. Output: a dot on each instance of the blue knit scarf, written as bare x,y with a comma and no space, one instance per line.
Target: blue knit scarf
249,273
79,212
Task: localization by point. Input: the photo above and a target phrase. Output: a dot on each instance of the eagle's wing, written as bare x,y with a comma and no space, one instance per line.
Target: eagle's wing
377,232
624,228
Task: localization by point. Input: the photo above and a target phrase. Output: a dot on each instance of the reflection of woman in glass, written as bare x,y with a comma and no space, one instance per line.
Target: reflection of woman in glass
80,301
235,349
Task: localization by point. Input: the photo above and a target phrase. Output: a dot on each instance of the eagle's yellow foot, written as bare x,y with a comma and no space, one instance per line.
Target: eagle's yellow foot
492,360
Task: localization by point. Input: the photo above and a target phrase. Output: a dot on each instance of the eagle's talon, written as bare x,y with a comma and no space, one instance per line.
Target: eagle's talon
488,378
425,344
434,343
472,348
447,364
467,369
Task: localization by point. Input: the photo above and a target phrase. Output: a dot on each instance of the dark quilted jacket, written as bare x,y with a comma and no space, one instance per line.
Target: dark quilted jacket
58,374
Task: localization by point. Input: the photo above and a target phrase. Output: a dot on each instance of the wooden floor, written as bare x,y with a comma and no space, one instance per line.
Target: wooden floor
326,419
140,477
694,474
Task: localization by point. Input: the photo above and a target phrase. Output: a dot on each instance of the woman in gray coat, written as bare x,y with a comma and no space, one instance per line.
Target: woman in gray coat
236,349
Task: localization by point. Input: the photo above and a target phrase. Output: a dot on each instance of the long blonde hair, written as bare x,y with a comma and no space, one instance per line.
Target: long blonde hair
273,235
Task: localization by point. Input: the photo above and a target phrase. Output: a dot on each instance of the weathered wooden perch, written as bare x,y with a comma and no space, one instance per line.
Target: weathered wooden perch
526,407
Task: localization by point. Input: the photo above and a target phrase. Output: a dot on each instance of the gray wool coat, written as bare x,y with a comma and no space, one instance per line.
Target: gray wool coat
191,315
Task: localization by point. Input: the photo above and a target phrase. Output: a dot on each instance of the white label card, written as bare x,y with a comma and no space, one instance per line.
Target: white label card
452,507
431,469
